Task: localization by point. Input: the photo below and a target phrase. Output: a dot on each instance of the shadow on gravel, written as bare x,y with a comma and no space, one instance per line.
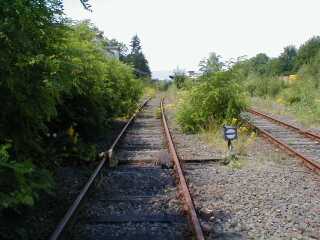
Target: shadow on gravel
38,222
105,141
214,222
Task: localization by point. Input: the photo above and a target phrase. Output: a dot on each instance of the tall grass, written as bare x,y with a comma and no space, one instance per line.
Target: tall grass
301,99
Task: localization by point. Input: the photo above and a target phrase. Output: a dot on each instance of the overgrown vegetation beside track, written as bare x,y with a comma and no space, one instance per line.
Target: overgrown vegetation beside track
216,99
291,80
59,90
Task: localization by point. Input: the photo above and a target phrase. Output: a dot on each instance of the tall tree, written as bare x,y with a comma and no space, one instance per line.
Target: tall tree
179,77
135,45
286,60
259,63
211,64
307,52
137,59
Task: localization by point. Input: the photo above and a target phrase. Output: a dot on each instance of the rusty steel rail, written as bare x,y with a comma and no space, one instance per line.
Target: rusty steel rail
77,202
193,218
311,164
302,131
114,144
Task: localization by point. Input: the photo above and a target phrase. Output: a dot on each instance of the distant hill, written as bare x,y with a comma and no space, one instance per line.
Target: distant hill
161,75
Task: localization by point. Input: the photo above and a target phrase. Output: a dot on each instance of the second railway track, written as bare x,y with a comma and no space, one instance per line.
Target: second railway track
301,143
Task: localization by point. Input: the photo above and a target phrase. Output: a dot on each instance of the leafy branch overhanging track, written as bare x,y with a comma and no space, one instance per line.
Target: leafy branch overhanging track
301,143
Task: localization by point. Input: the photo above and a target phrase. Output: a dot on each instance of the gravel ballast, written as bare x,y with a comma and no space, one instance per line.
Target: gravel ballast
269,196
138,199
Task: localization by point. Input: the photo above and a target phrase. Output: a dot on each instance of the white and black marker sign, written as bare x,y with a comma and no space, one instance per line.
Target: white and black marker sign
230,133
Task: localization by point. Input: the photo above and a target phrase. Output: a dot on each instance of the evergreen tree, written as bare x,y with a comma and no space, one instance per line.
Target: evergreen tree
135,45
137,59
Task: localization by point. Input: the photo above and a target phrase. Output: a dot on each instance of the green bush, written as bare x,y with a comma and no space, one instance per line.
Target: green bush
30,32
98,88
217,98
179,78
20,182
264,85
59,89
311,71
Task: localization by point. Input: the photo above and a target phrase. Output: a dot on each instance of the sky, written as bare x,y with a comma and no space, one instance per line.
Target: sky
179,33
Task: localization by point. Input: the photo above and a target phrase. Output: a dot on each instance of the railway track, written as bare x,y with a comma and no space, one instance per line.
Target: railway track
303,144
237,204
142,198
145,198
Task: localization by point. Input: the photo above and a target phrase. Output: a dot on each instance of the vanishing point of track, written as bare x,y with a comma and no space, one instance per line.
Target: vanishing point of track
301,143
139,199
